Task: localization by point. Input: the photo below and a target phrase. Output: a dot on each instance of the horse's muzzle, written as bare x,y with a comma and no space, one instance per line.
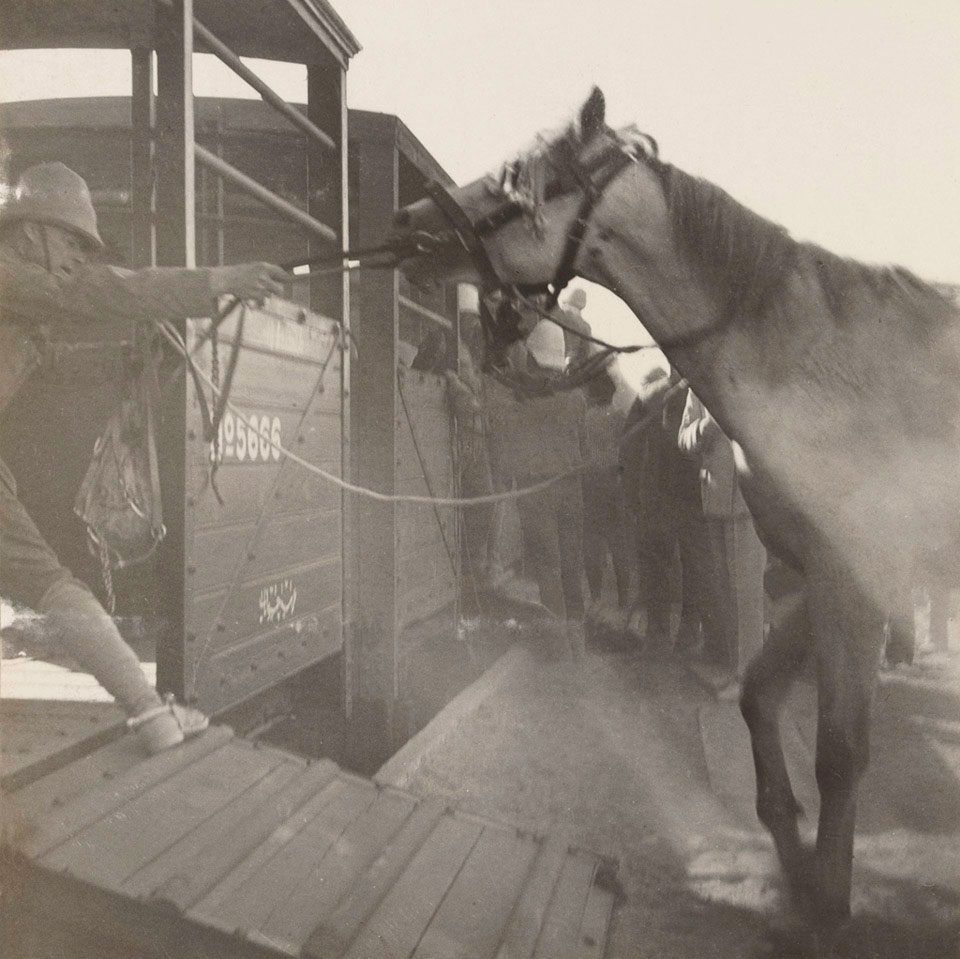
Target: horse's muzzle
421,215
428,249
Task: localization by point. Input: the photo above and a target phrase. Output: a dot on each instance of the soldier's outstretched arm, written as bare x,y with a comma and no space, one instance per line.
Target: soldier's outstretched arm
96,291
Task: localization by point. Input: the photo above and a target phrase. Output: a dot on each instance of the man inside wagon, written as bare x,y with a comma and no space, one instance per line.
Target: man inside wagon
48,231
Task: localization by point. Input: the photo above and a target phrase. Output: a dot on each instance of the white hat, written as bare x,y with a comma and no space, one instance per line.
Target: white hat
545,344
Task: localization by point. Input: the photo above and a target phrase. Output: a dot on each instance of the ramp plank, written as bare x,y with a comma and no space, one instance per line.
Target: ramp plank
523,930
210,834
33,748
470,921
216,859
58,825
561,929
130,836
332,876
405,912
70,782
333,811
334,934
218,907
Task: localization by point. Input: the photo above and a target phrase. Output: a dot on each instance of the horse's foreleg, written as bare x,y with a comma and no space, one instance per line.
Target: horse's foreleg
768,678
849,638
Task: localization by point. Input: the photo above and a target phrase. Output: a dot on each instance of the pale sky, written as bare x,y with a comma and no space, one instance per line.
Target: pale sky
837,119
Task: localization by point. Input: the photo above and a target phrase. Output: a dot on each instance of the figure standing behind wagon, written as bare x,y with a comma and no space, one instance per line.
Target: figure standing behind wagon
533,437
466,391
604,512
731,590
663,494
539,438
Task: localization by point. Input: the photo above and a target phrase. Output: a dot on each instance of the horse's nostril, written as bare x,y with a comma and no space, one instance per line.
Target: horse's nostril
401,218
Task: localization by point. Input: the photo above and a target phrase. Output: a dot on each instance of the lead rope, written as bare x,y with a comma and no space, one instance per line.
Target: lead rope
426,479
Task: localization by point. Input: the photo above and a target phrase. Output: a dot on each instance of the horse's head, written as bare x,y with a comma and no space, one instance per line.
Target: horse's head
525,224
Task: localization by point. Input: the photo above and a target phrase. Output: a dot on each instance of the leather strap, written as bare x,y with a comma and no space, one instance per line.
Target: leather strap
465,232
151,399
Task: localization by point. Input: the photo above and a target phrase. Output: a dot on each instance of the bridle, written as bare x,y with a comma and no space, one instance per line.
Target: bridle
591,178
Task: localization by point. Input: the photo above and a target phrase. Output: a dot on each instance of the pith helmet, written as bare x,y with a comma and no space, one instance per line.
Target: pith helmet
53,193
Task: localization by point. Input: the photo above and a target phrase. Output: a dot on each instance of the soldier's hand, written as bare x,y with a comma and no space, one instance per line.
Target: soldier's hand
251,282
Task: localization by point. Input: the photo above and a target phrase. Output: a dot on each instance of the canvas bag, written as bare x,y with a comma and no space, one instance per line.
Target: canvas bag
119,498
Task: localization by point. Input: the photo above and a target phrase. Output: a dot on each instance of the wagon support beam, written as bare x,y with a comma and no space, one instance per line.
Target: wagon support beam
265,196
217,47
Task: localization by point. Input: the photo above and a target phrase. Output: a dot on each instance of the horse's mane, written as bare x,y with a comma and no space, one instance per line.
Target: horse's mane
741,257
745,259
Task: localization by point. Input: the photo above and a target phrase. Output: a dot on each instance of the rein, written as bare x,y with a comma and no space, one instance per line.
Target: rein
397,251
417,244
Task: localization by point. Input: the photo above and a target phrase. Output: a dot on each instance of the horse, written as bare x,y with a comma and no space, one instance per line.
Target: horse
837,382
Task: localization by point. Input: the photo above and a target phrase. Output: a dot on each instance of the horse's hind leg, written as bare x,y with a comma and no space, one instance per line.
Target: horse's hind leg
768,678
849,635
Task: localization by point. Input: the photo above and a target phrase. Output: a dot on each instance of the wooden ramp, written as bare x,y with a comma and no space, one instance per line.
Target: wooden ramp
224,848
38,736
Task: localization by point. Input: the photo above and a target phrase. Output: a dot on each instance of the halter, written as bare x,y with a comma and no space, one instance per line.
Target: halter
592,179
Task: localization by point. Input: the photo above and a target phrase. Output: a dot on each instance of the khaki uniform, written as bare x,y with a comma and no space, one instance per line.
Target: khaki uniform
31,300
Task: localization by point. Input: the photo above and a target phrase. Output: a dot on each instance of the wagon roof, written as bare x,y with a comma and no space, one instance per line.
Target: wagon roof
298,31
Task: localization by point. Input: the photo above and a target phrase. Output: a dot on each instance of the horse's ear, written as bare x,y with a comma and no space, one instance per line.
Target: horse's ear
593,115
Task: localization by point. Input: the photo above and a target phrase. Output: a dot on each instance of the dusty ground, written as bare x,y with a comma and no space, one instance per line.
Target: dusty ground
642,763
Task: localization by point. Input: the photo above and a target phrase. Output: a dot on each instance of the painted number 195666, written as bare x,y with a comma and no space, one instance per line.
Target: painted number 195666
257,440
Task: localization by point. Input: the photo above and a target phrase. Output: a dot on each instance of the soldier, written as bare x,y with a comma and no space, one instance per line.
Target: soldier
48,231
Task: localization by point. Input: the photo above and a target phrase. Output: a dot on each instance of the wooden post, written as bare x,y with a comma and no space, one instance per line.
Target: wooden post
374,660
142,119
176,234
328,191
326,178
176,246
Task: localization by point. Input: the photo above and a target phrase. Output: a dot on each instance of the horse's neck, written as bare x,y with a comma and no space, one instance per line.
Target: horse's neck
723,357
673,307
